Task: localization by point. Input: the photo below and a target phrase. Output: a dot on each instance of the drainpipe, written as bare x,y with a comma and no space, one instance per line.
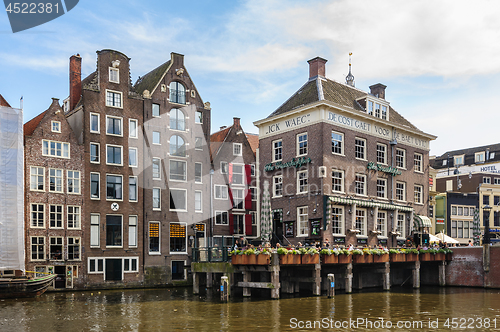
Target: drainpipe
393,143
211,208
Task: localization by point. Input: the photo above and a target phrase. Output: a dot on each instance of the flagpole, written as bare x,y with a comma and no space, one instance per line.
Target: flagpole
21,102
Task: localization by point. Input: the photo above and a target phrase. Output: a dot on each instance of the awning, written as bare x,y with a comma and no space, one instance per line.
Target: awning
369,204
421,221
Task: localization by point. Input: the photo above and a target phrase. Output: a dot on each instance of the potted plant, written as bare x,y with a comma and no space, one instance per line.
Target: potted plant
440,255
329,256
357,256
426,255
380,256
345,256
411,255
236,257
263,257
311,256
396,256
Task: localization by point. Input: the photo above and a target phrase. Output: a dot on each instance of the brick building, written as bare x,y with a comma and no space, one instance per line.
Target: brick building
343,165
234,183
54,201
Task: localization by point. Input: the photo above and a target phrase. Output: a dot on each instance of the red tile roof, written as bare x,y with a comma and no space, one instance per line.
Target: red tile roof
30,126
3,102
253,139
216,140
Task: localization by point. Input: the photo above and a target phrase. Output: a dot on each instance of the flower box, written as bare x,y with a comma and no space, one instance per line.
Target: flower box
263,259
345,259
380,258
362,259
449,256
397,258
426,257
238,259
310,259
411,257
439,256
330,259
289,259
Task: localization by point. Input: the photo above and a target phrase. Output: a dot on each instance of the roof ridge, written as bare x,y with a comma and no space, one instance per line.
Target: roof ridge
293,95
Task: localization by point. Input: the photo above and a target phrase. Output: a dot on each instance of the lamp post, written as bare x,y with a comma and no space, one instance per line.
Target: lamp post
486,217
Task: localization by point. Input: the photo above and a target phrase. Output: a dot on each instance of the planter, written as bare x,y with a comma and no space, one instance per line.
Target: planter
310,259
380,259
439,256
362,259
427,257
330,259
397,258
250,259
289,259
449,256
237,259
345,259
411,257
263,259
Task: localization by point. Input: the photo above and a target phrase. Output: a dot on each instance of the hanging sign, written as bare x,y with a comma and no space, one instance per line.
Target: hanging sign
297,163
386,169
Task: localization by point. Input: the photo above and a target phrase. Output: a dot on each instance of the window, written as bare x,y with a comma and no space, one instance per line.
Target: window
497,181
302,186
419,192
154,237
94,185
177,119
132,231
113,231
486,199
337,220
238,198
94,230
400,227
132,157
177,93
94,153
237,174
113,99
155,111
73,182
197,173
221,218
156,138
302,144
382,153
156,167
337,181
458,160
177,170
377,110
496,200
360,184
177,146
198,143
37,248
56,248
74,248
114,187
253,193
418,163
359,148
37,178
238,224
253,214
382,223
198,117
382,188
113,126
56,126
37,216
302,221
177,238
132,188
277,150
94,123
178,200
337,143
496,219
223,167
197,201
461,229
114,75
278,186
384,112
237,149
400,158
55,149
252,170
460,211
55,216
113,155
96,265
479,157
130,265
453,210
220,192
486,180
156,199
132,128
74,217
400,191
56,180
361,221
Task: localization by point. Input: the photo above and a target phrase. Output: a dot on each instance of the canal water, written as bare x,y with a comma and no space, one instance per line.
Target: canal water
436,309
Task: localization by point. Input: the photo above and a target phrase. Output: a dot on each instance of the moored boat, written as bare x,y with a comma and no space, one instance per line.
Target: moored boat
24,286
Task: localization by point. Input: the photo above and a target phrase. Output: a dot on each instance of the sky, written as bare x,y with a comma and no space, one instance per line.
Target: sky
440,60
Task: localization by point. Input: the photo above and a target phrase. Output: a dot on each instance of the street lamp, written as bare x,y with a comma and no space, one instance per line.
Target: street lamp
486,217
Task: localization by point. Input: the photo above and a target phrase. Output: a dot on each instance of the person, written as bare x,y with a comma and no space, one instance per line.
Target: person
350,247
236,244
243,242
470,243
327,244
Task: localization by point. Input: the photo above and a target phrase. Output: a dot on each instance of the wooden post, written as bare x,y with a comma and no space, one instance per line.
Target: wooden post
416,275
348,279
224,285
442,273
317,279
275,280
196,283
331,285
209,280
246,278
387,276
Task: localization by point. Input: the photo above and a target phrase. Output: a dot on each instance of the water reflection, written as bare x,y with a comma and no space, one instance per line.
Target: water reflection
178,309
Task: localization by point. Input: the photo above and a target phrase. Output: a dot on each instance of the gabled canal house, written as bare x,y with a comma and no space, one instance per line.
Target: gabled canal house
343,165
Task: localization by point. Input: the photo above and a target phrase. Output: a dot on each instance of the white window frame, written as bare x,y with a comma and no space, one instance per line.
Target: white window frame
253,193
55,126
136,189
237,149
43,215
277,150
383,154
56,213
79,179
152,110
121,125
237,199
223,189
98,145
114,199
298,142
401,158
159,168
153,137
170,170
277,180
341,222
121,237
341,172
486,180
116,72
186,239
221,213
360,149
185,200
98,116
121,154
302,212
130,260
95,227
46,149
44,250
198,192
79,245
341,141
158,191
361,213
37,175
57,244
401,228
224,167
132,235
398,198
357,187
198,117
153,253
201,173
198,143
242,174
98,186
130,121
136,157
78,215
382,226
481,156
496,181
96,264
108,91
254,218
458,160
418,160
384,186
56,177
304,179
418,194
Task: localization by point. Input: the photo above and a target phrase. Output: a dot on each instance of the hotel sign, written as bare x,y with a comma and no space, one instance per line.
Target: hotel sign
297,163
386,169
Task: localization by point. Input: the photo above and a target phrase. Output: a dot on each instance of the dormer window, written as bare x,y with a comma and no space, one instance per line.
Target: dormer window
384,112
377,107
114,75
479,157
377,110
458,160
370,107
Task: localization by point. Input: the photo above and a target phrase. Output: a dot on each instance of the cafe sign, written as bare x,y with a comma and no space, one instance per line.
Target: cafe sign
297,163
386,169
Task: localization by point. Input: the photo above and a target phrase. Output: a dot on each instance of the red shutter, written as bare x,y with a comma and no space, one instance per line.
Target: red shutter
248,200
231,224
229,191
248,172
248,224
230,173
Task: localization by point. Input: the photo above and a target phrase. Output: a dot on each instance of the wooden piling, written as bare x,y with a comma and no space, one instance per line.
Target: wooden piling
331,285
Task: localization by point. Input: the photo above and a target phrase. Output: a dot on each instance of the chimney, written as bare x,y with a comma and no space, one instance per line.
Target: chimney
317,67
378,90
236,122
75,80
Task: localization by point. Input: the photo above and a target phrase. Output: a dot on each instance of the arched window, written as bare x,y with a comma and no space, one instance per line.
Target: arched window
177,146
177,93
177,121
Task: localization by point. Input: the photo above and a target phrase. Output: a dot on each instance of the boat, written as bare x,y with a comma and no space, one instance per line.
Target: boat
24,286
